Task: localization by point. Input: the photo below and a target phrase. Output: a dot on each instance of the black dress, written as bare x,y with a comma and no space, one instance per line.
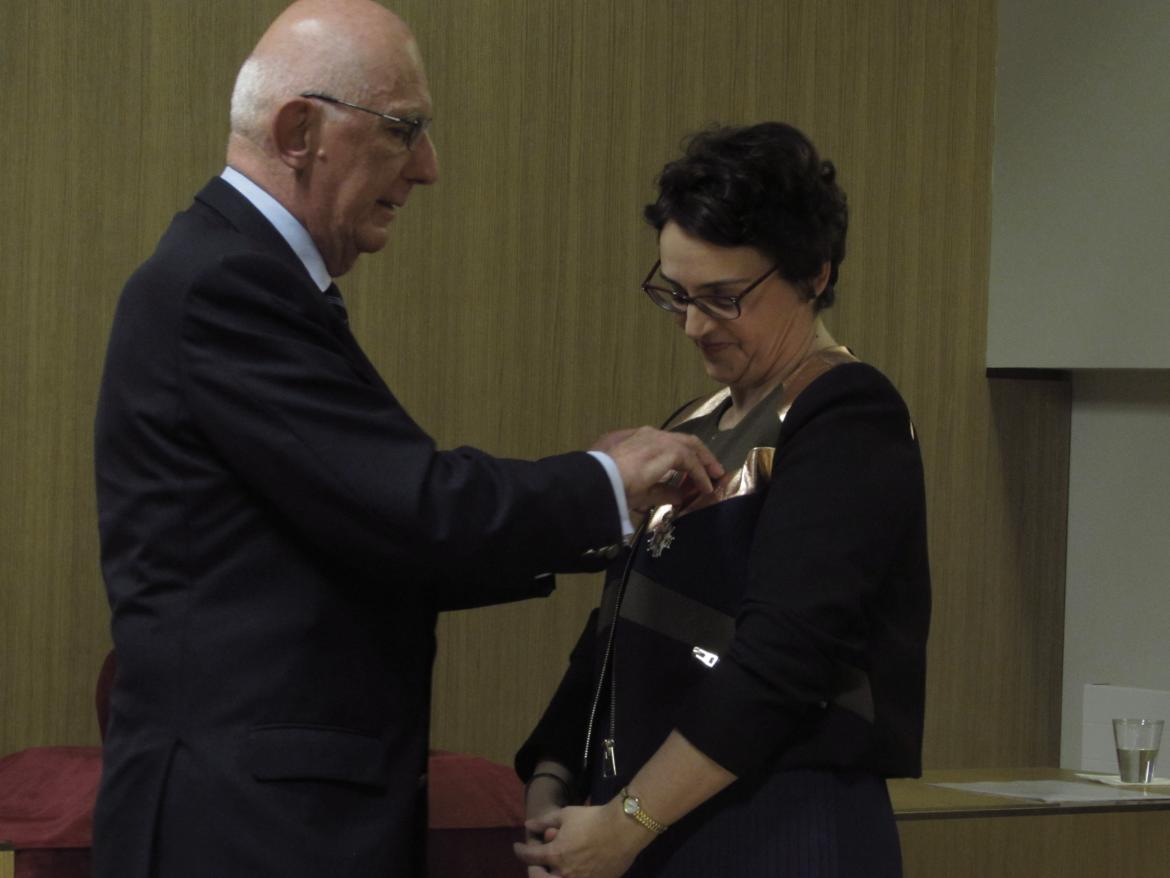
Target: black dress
781,628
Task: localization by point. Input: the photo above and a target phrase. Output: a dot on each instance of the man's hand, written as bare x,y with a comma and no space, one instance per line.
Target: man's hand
660,467
607,441
597,842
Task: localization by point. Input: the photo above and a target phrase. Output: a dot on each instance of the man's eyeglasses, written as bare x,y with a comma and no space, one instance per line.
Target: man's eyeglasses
720,307
410,130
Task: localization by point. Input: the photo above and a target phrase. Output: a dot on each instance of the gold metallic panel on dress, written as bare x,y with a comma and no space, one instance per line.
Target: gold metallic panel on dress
756,471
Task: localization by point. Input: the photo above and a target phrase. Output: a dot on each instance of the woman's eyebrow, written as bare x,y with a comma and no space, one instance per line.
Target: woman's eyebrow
706,285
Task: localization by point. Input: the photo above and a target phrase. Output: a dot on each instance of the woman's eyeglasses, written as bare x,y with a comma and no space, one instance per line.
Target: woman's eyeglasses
675,301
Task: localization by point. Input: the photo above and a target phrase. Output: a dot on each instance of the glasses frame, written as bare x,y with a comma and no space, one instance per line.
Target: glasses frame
675,302
415,128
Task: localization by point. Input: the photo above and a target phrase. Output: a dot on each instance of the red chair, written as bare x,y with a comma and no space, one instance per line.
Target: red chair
46,809
475,812
46,801
47,794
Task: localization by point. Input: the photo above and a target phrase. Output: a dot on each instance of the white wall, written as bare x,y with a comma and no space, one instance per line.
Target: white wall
1117,600
1080,280
1080,247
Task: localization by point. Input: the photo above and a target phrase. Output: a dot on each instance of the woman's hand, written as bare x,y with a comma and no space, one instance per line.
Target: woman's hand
543,796
602,842
596,842
549,790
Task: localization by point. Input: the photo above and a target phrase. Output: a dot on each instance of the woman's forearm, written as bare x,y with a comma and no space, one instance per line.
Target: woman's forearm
677,779
551,787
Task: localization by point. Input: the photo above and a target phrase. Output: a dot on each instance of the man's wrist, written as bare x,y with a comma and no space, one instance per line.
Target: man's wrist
619,492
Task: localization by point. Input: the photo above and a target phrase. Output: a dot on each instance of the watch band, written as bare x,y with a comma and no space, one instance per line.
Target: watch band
632,807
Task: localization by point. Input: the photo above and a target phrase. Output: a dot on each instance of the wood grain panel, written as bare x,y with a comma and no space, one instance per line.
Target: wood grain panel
116,129
1037,846
506,314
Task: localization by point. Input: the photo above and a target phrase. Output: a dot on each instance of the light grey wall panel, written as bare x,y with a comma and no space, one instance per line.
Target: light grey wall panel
1080,254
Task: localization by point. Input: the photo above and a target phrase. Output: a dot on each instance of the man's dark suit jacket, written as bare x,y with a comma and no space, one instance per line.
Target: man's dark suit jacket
277,536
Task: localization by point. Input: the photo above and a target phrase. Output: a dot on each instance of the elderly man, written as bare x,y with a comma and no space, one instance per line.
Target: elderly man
277,533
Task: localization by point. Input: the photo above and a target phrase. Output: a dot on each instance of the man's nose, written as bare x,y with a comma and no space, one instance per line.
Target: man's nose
423,167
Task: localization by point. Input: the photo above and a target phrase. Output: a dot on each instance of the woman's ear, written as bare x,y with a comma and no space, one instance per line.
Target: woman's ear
822,279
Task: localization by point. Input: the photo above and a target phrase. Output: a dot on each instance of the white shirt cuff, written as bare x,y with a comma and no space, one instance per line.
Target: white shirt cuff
619,492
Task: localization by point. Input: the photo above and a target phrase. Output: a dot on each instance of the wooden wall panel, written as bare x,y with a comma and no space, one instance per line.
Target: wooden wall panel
506,314
115,117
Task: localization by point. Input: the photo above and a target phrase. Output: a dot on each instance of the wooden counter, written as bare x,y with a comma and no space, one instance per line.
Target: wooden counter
950,833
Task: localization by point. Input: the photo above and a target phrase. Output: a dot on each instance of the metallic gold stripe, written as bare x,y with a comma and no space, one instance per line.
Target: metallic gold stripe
753,476
756,472
810,370
699,408
817,364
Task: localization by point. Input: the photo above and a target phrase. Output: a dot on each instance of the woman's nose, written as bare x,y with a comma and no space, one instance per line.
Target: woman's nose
694,322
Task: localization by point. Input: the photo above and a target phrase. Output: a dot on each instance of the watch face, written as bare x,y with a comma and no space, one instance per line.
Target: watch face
630,806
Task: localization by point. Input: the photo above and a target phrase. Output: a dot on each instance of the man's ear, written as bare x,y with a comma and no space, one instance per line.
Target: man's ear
294,133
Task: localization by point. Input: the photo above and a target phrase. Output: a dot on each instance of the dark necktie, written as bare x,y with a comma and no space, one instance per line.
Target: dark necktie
333,297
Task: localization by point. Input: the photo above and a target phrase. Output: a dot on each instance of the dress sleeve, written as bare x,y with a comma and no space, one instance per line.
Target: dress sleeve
560,734
846,485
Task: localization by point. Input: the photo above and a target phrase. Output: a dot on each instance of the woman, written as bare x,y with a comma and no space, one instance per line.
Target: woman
756,667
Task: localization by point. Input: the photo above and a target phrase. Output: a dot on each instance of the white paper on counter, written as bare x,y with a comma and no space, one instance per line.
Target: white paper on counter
1054,792
1114,780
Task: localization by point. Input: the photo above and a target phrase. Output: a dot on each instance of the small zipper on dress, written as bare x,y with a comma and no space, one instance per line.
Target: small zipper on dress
609,766
710,659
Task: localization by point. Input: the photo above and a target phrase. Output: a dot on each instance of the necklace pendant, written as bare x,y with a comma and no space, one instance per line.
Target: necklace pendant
661,538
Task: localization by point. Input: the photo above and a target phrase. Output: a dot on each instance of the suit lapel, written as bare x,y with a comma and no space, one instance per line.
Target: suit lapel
224,199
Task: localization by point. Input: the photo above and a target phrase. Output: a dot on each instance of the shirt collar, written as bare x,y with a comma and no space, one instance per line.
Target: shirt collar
285,223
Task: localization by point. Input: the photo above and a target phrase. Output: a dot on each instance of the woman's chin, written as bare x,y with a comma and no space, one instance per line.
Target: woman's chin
718,371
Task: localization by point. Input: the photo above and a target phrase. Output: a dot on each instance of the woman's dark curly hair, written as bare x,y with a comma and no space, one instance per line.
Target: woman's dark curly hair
763,186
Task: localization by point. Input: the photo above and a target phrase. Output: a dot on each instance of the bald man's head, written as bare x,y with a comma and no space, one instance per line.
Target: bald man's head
326,116
338,47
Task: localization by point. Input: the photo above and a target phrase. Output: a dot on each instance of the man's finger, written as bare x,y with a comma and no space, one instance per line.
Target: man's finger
707,460
699,464
676,497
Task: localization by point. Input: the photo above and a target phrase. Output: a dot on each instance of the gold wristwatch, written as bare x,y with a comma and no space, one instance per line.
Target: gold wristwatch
632,807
